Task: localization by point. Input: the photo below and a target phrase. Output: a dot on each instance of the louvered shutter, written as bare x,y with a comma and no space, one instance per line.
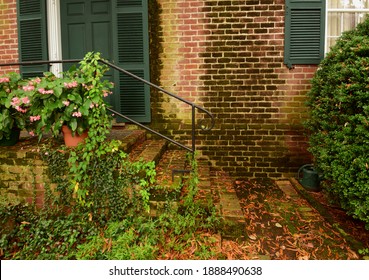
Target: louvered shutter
32,35
132,54
304,32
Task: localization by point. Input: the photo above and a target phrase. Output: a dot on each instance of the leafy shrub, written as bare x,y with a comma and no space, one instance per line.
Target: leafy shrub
339,121
49,235
29,235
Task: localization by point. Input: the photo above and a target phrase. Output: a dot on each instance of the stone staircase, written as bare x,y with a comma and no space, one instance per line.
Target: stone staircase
215,185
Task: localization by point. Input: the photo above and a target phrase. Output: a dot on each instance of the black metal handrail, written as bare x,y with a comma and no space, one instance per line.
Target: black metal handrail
193,105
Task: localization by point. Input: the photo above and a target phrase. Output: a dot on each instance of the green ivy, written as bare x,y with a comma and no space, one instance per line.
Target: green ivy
116,224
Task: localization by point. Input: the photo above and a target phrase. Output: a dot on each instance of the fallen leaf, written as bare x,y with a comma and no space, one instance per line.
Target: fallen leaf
253,237
310,245
278,225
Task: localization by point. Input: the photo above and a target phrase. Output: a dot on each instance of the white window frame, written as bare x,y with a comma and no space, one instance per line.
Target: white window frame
54,35
342,11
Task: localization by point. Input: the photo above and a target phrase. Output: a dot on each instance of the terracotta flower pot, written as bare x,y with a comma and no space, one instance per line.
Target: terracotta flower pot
70,140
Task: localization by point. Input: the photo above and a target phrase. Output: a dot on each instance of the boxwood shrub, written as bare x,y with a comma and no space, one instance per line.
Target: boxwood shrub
339,121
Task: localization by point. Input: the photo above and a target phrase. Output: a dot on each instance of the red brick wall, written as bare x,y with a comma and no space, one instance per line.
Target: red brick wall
228,56
8,34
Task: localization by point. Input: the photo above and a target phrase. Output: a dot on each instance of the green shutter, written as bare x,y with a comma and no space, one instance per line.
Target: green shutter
32,35
304,32
131,52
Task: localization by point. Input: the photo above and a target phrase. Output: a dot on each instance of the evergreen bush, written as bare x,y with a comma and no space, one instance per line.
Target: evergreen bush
339,121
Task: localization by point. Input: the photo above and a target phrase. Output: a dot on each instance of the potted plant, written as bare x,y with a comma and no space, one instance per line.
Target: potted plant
72,102
14,106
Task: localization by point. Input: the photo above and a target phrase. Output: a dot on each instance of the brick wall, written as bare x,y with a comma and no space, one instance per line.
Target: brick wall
228,56
8,34
22,174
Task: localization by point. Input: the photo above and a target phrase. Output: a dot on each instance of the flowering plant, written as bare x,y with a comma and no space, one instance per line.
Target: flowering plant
14,103
70,100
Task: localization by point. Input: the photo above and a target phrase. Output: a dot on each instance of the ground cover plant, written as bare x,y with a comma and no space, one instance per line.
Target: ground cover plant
109,219
97,206
339,121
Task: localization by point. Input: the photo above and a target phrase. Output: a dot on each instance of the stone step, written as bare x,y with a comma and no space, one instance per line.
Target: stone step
169,186
149,150
229,206
215,187
171,160
129,138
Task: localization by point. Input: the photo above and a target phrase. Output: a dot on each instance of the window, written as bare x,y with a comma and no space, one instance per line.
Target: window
312,27
343,15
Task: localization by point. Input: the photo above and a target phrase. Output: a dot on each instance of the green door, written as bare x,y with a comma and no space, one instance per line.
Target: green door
116,29
86,26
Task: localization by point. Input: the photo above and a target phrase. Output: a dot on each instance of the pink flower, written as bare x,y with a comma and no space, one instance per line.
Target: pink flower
4,80
66,103
34,118
28,88
71,85
25,100
87,87
44,91
31,133
20,109
15,101
77,114
37,80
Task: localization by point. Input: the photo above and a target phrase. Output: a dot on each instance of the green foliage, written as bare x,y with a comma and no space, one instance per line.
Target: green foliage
74,99
339,122
52,235
115,224
364,251
46,103
99,179
14,103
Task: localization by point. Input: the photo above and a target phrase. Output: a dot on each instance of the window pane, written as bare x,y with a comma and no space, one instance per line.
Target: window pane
348,4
